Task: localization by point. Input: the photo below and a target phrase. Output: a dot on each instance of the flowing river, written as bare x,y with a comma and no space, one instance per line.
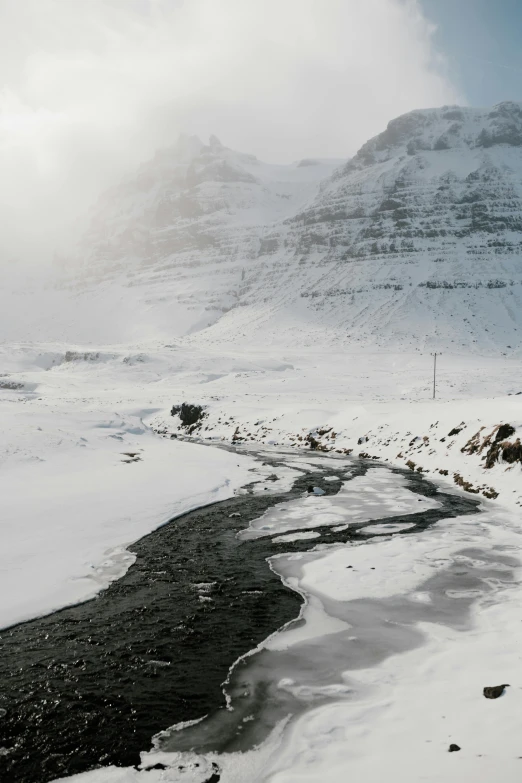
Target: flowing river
91,685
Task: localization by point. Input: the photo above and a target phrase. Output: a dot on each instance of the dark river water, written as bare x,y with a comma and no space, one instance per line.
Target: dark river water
90,685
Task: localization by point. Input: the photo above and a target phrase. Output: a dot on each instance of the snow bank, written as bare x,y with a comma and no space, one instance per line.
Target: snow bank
78,486
386,413
411,707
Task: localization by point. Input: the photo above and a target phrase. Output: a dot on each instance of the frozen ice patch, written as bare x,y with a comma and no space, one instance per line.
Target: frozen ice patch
380,493
296,537
388,527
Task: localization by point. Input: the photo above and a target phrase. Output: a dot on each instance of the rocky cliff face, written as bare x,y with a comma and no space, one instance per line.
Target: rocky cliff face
417,240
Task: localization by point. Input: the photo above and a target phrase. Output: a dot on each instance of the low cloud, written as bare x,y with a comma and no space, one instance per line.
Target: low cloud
90,89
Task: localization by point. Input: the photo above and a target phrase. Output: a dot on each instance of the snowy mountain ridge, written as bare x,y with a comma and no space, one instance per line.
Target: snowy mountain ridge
416,241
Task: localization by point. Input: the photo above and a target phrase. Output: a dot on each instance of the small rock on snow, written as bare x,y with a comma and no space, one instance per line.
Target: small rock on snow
494,691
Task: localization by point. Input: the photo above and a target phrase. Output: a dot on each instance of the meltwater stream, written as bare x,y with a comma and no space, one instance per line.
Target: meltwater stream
90,685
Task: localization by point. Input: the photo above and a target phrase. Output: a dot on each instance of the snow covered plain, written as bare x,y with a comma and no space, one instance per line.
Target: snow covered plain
81,478
71,417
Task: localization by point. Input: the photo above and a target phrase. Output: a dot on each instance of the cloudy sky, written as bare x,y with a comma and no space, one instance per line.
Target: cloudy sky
481,40
90,88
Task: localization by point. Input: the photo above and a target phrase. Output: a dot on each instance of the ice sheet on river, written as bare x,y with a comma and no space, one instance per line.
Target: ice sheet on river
382,671
379,494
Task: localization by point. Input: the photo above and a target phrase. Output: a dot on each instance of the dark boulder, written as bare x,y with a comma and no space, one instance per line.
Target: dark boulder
510,452
452,748
504,431
494,691
188,414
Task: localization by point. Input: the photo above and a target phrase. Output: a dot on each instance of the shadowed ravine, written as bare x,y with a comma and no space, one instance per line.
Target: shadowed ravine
90,685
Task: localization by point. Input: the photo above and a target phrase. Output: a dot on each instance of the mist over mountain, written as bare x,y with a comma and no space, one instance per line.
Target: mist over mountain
417,239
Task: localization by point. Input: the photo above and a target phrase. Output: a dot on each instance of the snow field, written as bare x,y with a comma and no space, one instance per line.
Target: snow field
73,499
412,706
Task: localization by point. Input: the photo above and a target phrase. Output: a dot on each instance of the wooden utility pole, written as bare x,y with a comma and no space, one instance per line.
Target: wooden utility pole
434,371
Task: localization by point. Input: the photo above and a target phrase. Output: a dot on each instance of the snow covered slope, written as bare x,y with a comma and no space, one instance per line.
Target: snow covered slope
416,241
418,238
190,225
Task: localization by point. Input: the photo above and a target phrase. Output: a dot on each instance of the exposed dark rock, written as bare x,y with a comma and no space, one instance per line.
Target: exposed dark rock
216,776
504,431
467,486
473,444
452,748
490,493
188,414
494,691
510,452
87,356
454,431
454,114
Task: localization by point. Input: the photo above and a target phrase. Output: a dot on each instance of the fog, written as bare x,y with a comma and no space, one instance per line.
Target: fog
90,88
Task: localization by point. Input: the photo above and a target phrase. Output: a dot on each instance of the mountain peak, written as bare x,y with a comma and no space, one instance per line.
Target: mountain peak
214,143
449,127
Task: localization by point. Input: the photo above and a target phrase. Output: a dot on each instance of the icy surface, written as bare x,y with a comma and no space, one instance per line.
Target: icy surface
296,536
388,527
445,674
361,499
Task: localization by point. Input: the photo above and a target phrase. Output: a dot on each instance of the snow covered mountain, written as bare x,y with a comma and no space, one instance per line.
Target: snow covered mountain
191,225
417,240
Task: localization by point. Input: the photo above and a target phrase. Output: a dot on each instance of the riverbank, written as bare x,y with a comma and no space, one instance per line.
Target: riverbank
396,641
93,683
470,444
78,485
